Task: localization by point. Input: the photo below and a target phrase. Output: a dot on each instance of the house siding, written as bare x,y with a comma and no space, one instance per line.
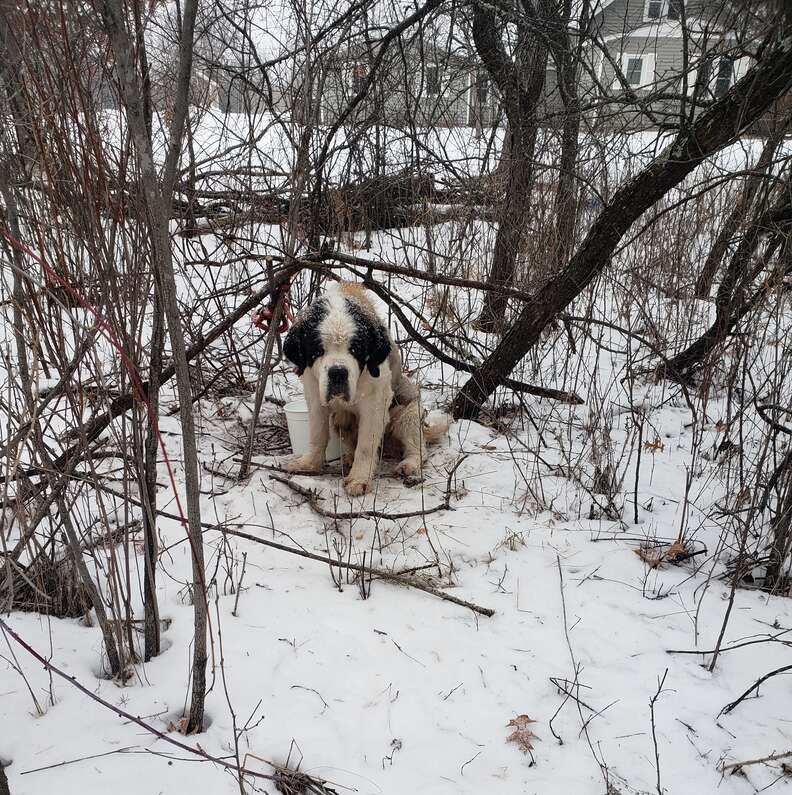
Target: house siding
617,26
621,17
400,95
662,71
254,95
624,16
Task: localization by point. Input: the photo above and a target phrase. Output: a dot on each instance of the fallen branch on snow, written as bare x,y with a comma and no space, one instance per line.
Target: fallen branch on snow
736,766
383,574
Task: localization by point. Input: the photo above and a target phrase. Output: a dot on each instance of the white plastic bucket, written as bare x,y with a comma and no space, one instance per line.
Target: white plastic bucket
297,422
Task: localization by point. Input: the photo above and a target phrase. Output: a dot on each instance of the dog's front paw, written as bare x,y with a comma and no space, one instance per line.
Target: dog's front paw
356,486
410,469
304,463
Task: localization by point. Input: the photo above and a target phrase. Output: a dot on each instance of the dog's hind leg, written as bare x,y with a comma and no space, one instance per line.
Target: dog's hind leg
406,427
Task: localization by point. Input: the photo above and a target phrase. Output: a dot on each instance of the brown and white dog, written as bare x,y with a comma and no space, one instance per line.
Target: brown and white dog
352,378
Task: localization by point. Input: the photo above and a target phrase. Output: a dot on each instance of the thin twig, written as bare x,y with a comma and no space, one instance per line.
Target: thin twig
652,703
78,759
729,707
313,500
239,585
761,760
195,750
383,574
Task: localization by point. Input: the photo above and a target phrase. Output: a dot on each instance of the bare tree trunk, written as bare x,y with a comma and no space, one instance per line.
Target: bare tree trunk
151,450
75,547
10,85
520,83
511,223
151,622
566,204
782,537
17,287
738,213
719,125
731,304
4,789
158,201
10,68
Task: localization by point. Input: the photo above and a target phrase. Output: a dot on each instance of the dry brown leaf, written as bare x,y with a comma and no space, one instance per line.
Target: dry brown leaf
651,556
676,551
522,736
657,446
655,556
180,726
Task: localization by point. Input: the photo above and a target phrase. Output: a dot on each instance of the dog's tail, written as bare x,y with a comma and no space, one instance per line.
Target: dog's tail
436,428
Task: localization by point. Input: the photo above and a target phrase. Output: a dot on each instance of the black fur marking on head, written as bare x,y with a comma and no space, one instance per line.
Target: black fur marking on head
303,344
370,344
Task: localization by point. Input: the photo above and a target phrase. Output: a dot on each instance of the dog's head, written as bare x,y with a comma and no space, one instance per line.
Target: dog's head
339,337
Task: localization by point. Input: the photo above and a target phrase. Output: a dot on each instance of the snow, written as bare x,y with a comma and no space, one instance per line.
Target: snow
256,152
403,666
402,691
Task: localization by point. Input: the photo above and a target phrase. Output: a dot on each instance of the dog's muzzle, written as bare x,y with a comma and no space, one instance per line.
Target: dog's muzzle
337,383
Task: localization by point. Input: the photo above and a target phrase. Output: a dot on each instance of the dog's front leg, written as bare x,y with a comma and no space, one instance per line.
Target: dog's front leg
371,428
318,430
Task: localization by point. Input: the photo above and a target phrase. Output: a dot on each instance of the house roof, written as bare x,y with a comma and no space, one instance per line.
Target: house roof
599,6
668,30
659,30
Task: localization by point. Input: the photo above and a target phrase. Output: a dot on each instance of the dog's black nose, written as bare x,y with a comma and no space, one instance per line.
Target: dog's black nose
337,375
337,381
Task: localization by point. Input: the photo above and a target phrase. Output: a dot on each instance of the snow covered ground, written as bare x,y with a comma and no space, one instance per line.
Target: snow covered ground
257,151
404,692
401,691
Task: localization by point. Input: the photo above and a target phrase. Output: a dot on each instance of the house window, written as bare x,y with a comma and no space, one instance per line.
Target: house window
432,80
634,71
479,97
359,76
717,75
655,10
638,71
724,75
675,9
482,88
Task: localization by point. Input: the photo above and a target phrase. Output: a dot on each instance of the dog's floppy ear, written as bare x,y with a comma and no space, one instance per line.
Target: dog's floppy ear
378,349
294,348
303,344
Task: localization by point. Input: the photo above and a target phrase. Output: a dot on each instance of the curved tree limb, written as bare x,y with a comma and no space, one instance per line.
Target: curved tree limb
721,124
